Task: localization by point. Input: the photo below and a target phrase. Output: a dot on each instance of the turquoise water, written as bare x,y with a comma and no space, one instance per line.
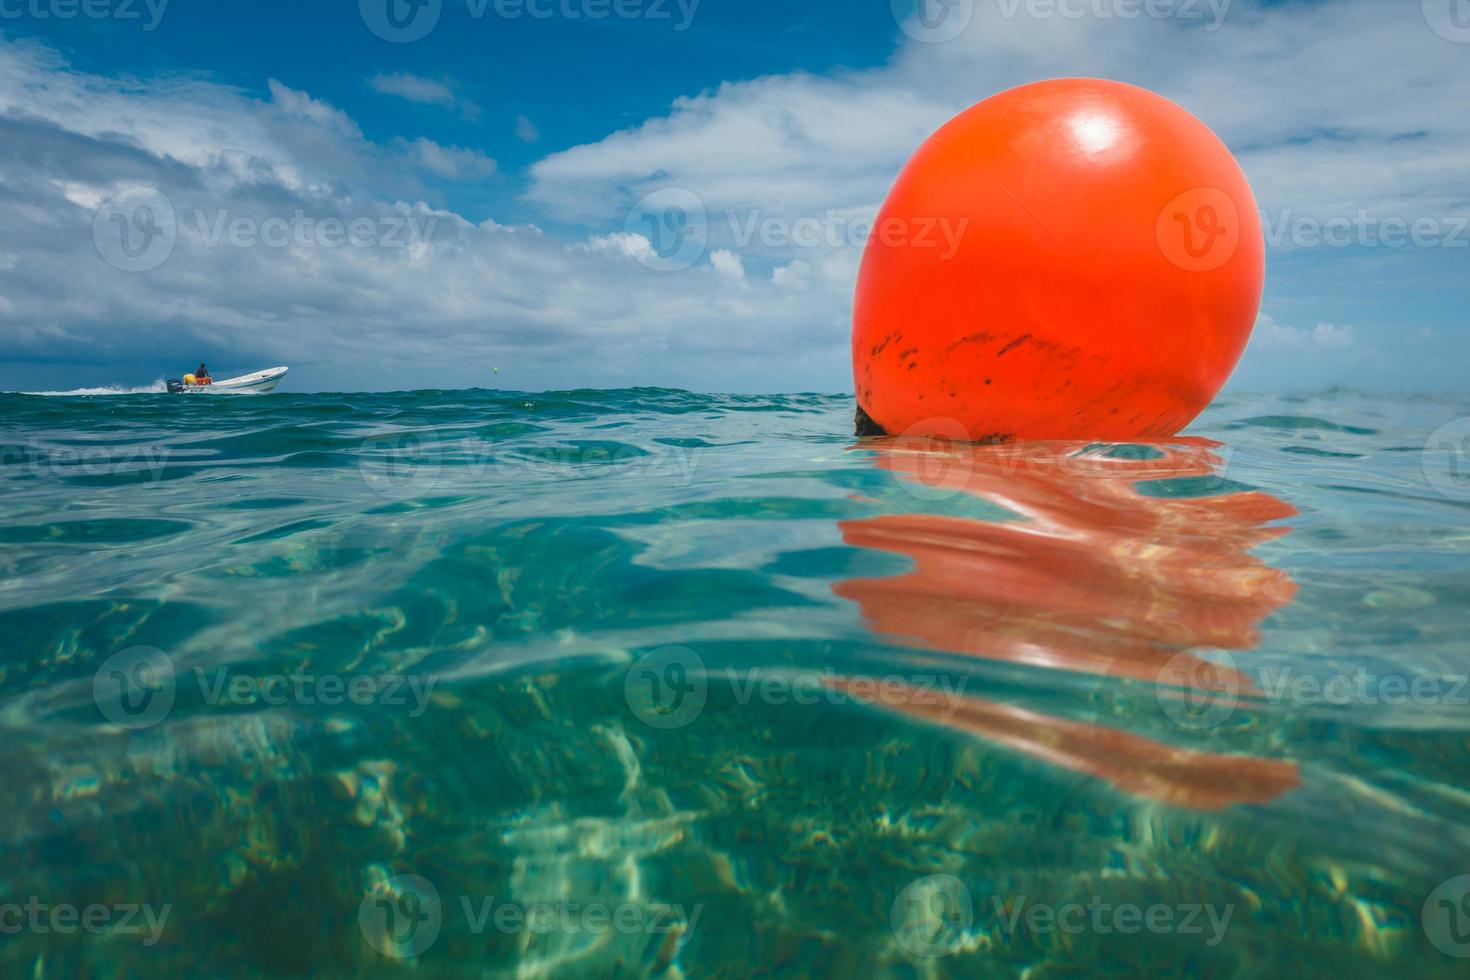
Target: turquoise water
655,684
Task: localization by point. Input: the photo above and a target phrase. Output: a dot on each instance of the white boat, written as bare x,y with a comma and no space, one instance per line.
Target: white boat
245,384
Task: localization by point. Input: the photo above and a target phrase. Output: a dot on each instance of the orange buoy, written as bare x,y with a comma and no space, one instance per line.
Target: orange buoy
1071,259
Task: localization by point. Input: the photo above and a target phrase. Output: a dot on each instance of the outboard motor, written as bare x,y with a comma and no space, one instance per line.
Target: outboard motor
175,386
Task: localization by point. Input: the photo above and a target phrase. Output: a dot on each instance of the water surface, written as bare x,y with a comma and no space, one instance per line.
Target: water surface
653,684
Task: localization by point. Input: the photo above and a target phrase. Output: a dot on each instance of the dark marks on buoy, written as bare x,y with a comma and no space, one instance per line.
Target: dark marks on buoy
973,338
882,345
1013,345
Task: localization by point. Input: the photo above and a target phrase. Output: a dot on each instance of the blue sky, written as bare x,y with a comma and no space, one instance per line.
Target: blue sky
501,167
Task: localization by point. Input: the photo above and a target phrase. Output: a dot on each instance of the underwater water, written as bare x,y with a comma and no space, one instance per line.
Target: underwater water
654,684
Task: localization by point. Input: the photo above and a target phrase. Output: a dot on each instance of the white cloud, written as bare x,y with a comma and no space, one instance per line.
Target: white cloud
1272,336
1331,108
449,162
728,264
302,106
526,130
414,88
625,244
425,91
797,275
587,312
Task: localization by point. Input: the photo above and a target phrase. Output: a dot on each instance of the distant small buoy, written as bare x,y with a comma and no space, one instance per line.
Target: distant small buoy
1070,259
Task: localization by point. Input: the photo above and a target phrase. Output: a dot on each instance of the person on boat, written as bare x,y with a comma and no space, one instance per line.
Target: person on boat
201,376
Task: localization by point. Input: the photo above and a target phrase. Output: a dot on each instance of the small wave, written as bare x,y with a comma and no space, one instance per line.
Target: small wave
156,388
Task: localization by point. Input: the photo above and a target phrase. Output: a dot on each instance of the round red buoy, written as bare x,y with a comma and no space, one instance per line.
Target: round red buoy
1071,259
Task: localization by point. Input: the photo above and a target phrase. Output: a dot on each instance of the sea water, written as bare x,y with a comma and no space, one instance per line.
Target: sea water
647,683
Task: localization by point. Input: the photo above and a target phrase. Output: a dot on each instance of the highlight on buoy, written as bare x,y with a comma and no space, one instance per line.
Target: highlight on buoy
1107,277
